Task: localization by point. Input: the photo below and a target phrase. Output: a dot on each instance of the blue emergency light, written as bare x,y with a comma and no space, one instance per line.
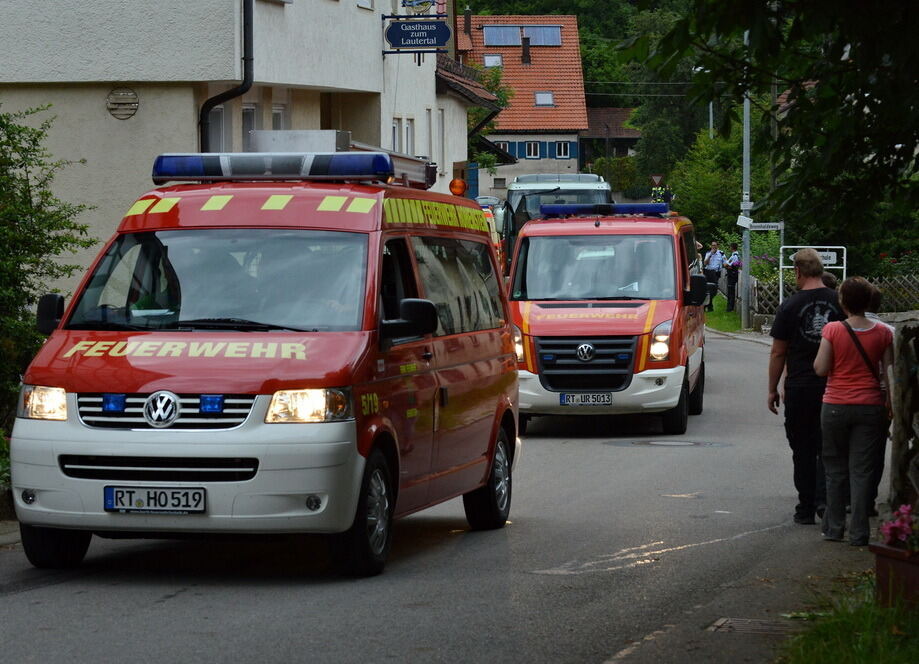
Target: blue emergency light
602,209
211,403
113,403
229,166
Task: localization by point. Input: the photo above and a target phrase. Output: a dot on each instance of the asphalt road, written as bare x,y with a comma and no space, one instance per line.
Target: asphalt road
619,535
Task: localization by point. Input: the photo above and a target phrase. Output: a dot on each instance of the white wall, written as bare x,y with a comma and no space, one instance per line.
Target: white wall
526,166
119,154
114,40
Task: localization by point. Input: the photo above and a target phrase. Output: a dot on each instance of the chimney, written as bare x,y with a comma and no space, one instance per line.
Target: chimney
525,55
467,21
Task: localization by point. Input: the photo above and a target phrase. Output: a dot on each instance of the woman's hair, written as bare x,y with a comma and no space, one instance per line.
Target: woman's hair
874,305
855,295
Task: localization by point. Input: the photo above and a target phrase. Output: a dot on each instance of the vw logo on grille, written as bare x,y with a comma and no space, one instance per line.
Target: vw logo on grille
586,352
161,409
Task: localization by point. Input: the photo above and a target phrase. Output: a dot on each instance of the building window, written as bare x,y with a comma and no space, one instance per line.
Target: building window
543,35
501,35
217,130
397,134
409,136
249,119
561,150
429,120
499,183
502,145
279,117
545,99
366,4
532,150
493,60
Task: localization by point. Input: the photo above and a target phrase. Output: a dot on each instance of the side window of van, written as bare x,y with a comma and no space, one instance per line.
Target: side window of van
691,253
460,280
397,281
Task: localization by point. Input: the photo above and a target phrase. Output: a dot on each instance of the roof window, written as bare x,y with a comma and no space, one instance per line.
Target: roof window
545,99
493,60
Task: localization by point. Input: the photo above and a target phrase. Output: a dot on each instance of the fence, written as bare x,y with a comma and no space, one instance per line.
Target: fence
899,293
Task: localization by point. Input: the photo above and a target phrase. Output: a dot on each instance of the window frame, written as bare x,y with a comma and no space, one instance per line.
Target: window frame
530,144
567,150
536,101
492,55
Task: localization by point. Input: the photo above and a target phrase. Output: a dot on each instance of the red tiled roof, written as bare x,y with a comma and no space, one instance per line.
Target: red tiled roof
464,81
555,69
613,118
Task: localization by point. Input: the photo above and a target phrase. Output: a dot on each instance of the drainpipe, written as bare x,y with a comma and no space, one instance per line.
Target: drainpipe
238,91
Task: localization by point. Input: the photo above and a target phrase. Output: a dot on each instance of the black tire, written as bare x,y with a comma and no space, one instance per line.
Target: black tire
676,419
54,548
363,548
698,393
522,423
488,507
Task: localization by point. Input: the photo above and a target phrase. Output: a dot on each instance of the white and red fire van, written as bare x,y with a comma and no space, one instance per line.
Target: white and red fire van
288,345
607,311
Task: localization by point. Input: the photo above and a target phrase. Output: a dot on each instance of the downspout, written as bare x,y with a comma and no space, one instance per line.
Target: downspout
238,91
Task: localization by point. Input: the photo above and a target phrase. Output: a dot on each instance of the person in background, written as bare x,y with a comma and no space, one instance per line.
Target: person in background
711,266
829,280
732,270
854,410
795,335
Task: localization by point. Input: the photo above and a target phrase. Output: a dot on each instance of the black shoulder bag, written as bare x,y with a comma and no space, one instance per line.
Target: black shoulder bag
872,368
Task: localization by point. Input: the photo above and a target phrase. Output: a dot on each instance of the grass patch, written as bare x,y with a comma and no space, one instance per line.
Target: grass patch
852,629
721,320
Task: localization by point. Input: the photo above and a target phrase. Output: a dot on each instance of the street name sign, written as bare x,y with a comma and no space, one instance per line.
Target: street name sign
767,226
418,34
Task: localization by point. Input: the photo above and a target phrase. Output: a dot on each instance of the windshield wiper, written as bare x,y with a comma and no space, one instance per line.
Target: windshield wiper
103,325
234,324
617,297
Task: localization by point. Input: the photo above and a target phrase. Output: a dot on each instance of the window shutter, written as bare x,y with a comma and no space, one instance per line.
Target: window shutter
550,148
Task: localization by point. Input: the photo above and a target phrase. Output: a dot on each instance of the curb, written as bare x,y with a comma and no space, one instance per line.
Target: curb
765,341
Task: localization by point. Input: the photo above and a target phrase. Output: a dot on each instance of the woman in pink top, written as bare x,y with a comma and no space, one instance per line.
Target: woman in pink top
854,414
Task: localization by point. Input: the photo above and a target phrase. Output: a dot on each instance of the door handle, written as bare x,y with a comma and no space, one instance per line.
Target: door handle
427,355
443,396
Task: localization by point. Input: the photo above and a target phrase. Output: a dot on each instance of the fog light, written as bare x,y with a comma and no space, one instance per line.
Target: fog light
28,496
313,503
658,381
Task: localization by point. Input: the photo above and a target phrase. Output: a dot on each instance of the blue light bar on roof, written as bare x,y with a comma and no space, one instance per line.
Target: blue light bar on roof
229,166
602,209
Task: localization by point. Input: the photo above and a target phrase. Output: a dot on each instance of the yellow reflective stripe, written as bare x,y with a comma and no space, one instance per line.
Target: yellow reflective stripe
361,205
332,203
399,211
164,205
216,203
277,202
140,206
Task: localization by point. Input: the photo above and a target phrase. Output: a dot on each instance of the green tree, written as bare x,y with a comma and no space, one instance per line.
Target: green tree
35,229
846,139
491,79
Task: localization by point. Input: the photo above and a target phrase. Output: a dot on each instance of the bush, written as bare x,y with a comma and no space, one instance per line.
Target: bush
636,192
35,228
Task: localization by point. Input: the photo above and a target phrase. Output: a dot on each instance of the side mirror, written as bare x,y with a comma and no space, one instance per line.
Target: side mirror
698,290
499,212
50,312
416,318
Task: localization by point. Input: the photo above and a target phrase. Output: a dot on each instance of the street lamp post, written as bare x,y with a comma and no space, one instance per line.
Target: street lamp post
746,205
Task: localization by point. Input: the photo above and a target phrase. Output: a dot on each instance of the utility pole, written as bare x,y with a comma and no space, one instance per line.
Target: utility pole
746,205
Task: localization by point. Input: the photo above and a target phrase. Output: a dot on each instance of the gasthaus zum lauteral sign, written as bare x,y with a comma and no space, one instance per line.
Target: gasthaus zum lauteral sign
288,344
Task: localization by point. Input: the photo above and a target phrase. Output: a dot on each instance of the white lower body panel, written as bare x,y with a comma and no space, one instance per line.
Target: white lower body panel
294,461
651,391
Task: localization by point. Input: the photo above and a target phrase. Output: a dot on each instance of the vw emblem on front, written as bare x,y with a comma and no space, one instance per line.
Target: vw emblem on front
586,352
161,409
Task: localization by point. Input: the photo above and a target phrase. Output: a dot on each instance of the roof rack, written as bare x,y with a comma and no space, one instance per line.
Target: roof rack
603,209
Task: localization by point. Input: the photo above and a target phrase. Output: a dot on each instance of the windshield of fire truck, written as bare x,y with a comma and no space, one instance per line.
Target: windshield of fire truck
595,267
234,279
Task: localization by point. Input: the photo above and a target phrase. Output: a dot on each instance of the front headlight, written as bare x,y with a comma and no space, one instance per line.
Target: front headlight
42,403
518,345
323,405
660,341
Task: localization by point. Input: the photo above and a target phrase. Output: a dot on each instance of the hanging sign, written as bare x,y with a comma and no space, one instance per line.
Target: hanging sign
418,34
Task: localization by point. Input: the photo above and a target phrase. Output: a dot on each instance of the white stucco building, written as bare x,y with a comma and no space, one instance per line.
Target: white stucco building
126,81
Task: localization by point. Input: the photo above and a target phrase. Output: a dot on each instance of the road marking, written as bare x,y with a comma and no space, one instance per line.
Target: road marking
637,555
625,652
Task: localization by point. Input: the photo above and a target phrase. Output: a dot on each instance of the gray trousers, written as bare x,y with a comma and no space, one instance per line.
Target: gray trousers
852,436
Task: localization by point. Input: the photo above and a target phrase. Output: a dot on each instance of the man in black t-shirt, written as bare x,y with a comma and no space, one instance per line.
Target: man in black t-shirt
795,339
